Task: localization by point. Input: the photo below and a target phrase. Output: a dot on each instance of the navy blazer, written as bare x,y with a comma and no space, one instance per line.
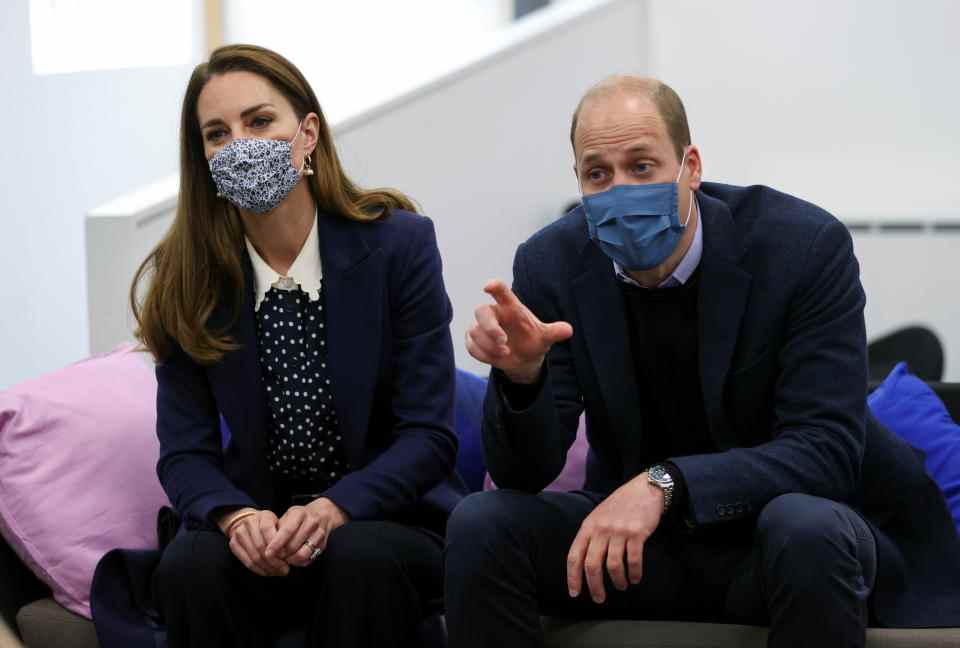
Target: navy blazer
783,372
392,372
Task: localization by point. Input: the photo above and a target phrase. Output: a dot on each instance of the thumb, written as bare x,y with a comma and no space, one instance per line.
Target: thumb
557,332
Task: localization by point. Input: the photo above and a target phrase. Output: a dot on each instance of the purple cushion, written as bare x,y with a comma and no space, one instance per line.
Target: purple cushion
574,472
79,450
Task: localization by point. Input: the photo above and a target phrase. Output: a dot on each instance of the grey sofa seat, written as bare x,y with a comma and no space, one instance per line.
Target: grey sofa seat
45,624
675,634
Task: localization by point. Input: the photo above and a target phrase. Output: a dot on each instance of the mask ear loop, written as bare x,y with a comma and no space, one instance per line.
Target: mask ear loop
304,164
683,161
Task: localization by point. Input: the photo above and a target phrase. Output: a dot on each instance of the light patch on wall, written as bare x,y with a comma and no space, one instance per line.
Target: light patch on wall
87,35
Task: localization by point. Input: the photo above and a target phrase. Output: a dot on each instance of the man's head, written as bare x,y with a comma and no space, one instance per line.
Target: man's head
621,118
630,130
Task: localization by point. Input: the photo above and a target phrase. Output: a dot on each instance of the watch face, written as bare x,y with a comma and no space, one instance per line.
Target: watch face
660,476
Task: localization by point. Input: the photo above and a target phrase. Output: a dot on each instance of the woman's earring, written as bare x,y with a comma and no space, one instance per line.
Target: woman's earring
307,169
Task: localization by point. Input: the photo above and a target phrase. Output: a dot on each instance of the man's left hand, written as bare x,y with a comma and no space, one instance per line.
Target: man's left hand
304,529
616,529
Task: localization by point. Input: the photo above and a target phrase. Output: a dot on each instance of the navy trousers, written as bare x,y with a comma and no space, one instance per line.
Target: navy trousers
372,586
805,567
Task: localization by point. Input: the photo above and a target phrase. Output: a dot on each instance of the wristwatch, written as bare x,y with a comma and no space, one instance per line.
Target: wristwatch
658,475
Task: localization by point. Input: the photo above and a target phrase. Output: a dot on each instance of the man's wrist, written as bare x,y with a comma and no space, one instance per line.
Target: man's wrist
527,375
660,478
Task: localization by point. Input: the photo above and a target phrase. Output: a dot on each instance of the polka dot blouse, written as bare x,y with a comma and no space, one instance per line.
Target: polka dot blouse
304,434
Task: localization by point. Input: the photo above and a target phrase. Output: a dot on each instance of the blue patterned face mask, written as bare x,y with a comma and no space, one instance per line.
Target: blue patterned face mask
256,174
638,226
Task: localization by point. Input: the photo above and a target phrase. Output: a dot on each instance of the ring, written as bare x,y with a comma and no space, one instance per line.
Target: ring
314,551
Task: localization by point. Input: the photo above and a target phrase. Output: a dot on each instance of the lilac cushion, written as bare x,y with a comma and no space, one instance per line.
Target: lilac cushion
79,449
574,472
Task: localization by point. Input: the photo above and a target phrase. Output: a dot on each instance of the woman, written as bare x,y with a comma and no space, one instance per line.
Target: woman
312,317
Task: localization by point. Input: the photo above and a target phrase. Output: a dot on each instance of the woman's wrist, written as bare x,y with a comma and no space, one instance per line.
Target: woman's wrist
228,521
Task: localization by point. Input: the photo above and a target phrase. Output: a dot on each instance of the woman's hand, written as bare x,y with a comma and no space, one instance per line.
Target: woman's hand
249,537
303,530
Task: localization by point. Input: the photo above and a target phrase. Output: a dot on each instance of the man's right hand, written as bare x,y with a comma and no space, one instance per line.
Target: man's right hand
510,337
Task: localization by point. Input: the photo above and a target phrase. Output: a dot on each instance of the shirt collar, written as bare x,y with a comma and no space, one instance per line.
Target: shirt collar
306,271
684,270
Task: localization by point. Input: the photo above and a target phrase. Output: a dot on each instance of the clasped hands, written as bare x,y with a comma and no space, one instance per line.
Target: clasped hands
508,336
269,546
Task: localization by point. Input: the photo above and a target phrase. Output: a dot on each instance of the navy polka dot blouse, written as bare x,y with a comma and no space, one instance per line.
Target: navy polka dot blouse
304,435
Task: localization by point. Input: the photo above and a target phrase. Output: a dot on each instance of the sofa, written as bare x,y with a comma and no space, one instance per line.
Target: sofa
29,612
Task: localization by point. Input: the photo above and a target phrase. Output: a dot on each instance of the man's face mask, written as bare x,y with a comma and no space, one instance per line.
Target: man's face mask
638,226
255,174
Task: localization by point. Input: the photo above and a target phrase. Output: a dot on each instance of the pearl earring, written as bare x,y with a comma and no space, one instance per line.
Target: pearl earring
307,169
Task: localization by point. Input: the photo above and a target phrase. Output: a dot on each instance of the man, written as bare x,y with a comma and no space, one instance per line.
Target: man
714,336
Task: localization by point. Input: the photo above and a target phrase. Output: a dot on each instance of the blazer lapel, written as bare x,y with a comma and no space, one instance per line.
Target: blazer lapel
239,383
603,318
724,289
354,294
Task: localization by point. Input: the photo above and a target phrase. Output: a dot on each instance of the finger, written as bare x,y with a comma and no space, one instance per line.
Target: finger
237,549
615,568
244,536
557,332
302,557
477,353
501,293
308,527
635,559
257,546
286,528
489,344
268,530
488,323
575,557
593,568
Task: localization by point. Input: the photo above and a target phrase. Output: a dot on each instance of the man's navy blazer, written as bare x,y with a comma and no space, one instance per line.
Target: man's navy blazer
783,372
392,377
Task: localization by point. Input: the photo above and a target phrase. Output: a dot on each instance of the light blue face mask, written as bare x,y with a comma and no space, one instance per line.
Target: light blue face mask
638,226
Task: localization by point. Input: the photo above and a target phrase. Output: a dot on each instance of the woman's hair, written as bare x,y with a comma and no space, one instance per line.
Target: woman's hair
199,261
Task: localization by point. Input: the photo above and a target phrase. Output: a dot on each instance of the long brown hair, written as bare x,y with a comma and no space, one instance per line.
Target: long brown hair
199,261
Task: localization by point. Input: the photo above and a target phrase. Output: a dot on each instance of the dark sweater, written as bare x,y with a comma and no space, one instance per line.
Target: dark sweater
664,339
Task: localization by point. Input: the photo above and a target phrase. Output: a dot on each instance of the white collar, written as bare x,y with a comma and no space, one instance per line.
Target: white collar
684,270
306,271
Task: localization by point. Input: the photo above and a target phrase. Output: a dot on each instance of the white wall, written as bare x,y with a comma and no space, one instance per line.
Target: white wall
852,104
487,155
849,103
484,151
70,142
391,46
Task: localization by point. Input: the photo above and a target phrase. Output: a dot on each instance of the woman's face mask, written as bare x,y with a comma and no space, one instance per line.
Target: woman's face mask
256,174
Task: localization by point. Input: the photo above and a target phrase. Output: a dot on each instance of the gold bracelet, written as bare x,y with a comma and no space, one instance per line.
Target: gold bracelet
237,518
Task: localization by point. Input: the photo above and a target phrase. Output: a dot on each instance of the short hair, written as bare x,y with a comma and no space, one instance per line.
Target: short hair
667,101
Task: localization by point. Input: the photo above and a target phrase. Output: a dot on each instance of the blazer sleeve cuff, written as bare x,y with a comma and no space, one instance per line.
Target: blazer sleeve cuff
353,501
206,508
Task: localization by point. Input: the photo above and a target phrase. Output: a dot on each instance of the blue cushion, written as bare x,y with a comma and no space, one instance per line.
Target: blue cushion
468,418
907,405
